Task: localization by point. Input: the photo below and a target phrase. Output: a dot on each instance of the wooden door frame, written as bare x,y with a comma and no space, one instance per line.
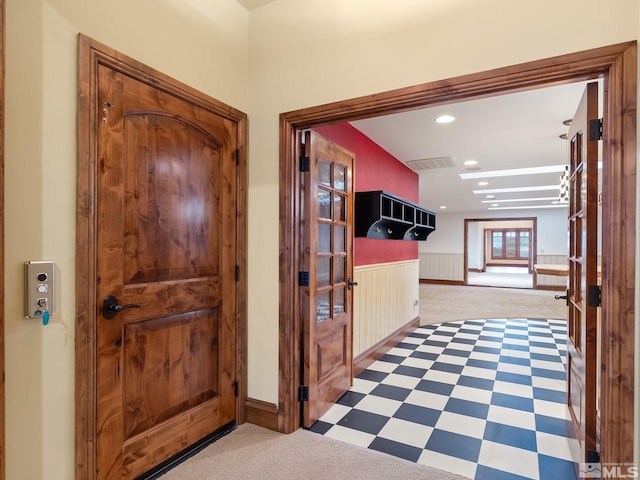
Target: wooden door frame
616,64
2,113
91,54
533,254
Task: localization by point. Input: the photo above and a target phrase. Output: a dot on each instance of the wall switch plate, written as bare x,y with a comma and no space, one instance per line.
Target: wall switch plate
39,288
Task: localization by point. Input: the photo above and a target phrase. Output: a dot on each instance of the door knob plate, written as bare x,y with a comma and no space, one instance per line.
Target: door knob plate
110,307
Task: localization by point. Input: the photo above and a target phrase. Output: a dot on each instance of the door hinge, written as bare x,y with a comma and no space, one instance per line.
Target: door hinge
237,156
237,273
235,388
594,295
595,129
303,393
303,279
304,164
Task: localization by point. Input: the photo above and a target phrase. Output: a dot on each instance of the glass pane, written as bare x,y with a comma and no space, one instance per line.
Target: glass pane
510,244
575,238
583,189
524,244
324,238
324,173
338,301
339,208
339,173
576,192
324,203
323,307
578,237
324,271
339,267
497,245
577,278
339,240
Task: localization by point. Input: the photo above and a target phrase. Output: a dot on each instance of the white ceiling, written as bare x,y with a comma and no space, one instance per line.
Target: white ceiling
504,132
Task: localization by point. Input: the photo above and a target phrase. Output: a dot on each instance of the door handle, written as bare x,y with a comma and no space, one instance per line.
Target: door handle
351,283
110,307
563,297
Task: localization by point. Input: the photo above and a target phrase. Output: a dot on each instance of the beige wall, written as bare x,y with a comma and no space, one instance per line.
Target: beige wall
203,43
286,55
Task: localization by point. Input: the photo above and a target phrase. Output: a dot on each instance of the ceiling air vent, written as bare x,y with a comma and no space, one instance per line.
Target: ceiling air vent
432,163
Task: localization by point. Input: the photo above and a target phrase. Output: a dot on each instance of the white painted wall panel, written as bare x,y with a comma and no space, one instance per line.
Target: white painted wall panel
442,266
383,302
552,280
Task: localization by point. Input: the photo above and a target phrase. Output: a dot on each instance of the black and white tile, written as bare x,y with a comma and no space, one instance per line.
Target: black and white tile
484,399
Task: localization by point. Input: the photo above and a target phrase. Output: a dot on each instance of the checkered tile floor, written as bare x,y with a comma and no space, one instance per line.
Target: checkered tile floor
484,399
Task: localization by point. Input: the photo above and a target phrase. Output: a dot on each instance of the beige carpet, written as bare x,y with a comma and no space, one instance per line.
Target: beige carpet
446,303
251,452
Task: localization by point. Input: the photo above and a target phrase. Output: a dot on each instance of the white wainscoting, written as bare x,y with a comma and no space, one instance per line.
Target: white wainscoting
383,302
551,280
442,266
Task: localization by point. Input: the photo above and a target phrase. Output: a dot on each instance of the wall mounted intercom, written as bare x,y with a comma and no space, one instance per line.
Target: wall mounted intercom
39,290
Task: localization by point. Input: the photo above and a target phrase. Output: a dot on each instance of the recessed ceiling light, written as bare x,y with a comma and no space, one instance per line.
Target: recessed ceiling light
443,207
537,188
513,172
483,184
470,163
491,196
494,204
445,119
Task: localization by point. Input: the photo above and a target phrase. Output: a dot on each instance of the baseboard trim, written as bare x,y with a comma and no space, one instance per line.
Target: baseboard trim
441,282
475,270
262,414
366,358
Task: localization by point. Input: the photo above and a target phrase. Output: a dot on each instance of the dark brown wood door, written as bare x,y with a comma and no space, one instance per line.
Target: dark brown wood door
166,191
327,256
583,252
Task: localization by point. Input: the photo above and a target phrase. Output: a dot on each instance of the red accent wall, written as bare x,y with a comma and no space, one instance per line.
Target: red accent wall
376,169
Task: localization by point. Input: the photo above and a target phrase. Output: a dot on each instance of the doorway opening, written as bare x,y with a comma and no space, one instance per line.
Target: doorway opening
616,65
500,252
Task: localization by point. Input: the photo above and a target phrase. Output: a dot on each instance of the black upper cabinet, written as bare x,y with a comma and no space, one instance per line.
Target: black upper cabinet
385,216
